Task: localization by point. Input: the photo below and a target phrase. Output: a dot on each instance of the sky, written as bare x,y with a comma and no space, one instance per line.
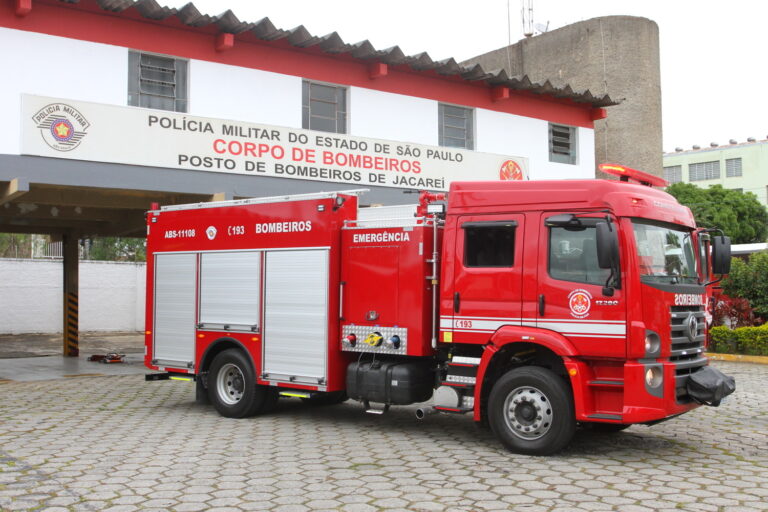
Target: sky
713,71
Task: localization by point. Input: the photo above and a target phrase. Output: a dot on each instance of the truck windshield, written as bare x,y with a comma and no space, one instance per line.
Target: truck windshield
666,254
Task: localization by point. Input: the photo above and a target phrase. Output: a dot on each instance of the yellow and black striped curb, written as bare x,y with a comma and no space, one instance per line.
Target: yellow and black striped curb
738,358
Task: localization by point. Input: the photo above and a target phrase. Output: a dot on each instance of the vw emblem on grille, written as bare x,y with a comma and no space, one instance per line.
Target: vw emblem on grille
691,328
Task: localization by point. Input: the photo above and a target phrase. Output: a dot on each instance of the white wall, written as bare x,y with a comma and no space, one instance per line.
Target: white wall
70,69
111,296
383,115
242,94
522,136
59,67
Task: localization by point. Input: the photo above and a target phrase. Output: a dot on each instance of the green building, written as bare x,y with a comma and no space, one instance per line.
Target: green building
739,166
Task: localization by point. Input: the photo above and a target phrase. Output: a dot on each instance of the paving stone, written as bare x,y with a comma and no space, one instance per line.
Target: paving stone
176,455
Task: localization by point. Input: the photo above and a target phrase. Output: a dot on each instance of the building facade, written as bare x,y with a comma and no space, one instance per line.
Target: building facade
738,166
238,107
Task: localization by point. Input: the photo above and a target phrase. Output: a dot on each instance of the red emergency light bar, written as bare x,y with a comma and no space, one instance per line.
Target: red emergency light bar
627,173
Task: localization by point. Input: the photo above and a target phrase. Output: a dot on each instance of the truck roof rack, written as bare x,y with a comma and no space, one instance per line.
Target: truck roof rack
262,200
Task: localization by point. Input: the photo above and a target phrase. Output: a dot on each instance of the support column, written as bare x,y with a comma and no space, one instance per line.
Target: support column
70,247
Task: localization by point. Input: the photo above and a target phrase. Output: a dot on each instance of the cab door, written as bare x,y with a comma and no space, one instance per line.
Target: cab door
487,275
571,298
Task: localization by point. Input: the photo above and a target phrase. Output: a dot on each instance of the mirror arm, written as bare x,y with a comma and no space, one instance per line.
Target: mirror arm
713,282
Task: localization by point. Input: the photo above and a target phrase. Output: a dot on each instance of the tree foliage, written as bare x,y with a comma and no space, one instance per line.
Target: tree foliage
748,280
740,215
116,249
14,245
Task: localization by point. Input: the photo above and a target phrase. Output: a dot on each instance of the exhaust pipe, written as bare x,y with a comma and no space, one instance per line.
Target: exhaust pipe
422,412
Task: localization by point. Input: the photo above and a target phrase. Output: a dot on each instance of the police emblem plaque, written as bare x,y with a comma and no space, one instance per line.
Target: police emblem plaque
61,126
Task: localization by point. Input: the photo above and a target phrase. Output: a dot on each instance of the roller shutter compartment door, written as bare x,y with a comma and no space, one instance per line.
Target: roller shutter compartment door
296,316
175,302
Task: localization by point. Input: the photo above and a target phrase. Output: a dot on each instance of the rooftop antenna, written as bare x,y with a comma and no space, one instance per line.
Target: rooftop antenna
527,13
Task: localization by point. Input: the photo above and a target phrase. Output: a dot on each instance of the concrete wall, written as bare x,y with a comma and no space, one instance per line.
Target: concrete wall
615,55
111,296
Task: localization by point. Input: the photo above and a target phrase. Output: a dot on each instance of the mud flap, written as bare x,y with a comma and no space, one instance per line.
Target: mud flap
709,386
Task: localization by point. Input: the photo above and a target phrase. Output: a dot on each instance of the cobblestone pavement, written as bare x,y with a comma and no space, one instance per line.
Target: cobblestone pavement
120,444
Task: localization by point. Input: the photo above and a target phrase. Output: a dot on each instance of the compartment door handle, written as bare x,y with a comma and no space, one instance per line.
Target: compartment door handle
456,302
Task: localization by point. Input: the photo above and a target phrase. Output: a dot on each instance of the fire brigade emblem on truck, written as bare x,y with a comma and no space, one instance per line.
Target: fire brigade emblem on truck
510,171
580,301
61,126
210,232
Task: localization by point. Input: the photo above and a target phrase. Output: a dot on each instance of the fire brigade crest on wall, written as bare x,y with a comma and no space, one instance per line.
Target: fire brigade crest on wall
580,301
61,126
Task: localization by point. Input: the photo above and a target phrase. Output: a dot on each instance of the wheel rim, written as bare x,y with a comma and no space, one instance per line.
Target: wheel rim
230,384
528,413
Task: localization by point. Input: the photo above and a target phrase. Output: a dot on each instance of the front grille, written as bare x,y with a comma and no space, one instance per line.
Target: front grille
687,352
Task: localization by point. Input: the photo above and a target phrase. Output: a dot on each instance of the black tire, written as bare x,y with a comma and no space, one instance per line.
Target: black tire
232,386
605,428
530,411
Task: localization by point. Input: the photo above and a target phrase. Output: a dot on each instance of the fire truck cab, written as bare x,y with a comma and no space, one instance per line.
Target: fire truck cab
534,306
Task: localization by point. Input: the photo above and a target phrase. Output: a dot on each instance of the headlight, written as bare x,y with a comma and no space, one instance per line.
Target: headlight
653,376
652,343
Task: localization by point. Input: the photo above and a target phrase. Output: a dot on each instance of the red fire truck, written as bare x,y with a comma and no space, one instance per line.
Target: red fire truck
536,306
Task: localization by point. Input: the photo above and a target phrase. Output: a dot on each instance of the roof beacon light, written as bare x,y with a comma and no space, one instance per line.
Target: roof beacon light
627,173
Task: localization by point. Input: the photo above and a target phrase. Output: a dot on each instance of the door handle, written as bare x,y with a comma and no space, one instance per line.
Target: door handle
456,302
541,305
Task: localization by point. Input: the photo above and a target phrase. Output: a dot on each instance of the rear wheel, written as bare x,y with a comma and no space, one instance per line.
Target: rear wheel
232,386
530,411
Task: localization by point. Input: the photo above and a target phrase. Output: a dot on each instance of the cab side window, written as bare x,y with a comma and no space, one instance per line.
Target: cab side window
573,255
489,244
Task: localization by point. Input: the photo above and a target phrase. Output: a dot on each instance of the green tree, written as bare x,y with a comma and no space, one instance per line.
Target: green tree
13,245
740,215
748,280
110,248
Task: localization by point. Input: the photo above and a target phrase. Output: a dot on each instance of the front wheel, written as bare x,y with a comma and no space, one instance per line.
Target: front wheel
232,386
530,411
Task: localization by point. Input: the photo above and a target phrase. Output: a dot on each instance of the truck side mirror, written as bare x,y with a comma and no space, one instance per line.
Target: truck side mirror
721,254
607,246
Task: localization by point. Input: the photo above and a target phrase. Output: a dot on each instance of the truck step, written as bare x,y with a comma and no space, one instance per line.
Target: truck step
297,394
602,416
607,383
149,377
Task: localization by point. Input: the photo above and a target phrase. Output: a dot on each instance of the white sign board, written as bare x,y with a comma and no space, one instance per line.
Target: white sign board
137,136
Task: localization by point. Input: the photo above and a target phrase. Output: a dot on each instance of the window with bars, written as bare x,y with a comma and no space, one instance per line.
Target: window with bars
455,127
704,171
324,107
733,167
673,173
562,144
155,81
